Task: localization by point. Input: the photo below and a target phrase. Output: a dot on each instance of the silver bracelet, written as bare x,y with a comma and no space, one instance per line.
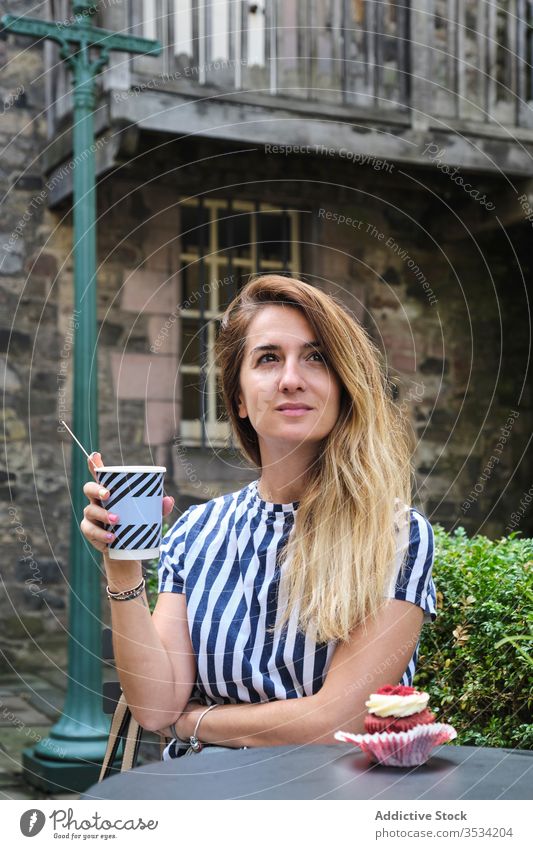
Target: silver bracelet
172,727
196,744
126,595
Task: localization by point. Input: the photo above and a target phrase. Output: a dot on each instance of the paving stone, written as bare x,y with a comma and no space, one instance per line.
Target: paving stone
48,701
56,677
20,683
13,740
18,791
68,796
16,683
19,708
6,692
8,777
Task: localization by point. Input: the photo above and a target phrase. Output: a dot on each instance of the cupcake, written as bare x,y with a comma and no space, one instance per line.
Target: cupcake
401,730
397,709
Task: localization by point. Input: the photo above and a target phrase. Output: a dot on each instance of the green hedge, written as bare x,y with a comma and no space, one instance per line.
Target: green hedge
150,572
475,660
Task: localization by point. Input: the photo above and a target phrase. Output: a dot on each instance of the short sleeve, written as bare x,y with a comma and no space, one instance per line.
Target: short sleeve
412,581
172,557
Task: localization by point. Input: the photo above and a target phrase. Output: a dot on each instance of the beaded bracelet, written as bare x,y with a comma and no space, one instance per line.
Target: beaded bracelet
126,595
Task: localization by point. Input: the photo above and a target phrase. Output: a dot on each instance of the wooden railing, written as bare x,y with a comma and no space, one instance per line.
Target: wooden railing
449,60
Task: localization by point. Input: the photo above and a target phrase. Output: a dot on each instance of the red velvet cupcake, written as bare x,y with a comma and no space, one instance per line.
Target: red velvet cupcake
397,709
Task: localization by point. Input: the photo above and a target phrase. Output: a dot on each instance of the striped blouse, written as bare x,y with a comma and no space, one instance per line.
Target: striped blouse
223,555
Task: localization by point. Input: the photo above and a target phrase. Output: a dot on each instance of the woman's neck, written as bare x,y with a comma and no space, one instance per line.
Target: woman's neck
277,495
284,472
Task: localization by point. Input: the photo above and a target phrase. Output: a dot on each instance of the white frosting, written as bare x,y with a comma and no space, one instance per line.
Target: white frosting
384,705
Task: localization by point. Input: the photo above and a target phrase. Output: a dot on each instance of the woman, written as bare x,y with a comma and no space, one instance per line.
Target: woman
285,603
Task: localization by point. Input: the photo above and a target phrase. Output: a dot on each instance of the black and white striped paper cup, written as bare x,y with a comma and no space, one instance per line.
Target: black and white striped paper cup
136,496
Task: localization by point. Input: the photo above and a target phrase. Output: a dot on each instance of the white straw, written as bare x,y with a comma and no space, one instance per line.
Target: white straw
77,440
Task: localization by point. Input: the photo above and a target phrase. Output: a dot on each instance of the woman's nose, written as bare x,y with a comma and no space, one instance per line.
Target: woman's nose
291,376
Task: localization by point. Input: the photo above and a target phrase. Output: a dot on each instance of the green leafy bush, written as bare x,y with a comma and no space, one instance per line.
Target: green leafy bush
150,573
475,660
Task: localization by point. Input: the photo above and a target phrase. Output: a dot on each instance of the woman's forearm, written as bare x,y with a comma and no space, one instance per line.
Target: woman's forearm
155,690
277,723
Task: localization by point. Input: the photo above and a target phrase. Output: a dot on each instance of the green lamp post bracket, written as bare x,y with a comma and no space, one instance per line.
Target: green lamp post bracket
82,32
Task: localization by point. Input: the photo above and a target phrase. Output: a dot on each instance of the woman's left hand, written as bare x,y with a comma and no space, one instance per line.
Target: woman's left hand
186,724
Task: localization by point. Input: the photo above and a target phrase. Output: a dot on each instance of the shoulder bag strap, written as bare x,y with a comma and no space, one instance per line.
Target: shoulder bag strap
131,746
119,725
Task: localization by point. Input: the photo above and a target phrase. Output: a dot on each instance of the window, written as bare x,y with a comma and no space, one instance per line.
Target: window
223,242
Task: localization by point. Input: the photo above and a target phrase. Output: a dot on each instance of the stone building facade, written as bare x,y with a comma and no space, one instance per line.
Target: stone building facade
424,264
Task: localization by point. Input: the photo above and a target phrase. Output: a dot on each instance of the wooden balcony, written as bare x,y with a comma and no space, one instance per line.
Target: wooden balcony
421,70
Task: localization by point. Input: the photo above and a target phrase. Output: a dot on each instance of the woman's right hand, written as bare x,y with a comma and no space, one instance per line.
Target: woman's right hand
95,515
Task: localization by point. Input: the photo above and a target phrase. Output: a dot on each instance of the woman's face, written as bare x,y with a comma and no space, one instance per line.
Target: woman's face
293,372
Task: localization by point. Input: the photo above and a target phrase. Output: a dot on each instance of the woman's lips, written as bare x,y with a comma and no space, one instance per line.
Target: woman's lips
294,412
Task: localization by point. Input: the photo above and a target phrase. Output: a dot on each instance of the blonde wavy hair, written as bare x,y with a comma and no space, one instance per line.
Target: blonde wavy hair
343,547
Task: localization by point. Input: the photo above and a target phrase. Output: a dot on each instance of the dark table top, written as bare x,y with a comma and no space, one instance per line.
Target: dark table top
337,771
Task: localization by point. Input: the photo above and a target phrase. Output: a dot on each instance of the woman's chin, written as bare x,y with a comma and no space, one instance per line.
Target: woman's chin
298,435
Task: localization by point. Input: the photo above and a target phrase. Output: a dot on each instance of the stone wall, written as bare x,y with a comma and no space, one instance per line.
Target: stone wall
33,498
449,314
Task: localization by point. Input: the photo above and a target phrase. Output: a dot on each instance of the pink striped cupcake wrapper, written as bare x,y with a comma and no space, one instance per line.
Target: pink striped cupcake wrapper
401,748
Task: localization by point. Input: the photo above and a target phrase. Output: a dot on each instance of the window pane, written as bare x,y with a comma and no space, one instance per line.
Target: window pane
183,33
292,48
358,82
256,34
254,49
220,66
227,285
219,28
390,54
194,228
326,68
270,236
376,50
190,342
149,13
441,56
191,395
234,232
190,286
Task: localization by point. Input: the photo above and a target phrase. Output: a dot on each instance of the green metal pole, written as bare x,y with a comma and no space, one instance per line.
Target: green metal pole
81,731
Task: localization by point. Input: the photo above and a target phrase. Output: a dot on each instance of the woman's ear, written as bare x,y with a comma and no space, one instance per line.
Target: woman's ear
241,407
